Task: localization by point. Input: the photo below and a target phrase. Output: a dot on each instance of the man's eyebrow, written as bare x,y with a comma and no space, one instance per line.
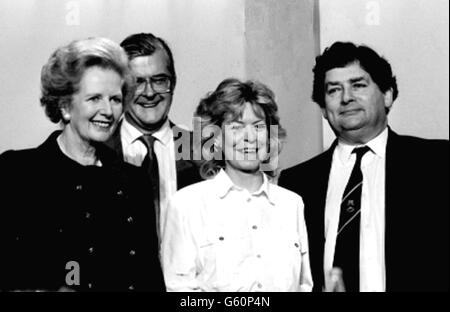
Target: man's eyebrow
351,80
161,75
356,79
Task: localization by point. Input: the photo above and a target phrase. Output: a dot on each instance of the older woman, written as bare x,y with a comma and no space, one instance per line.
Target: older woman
76,215
237,231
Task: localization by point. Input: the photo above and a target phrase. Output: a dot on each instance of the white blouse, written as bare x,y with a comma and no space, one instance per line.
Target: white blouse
220,237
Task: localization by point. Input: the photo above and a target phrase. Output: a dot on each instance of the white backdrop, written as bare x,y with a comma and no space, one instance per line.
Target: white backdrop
413,35
271,41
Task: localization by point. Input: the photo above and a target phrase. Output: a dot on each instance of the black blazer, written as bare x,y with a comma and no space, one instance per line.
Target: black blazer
417,211
55,210
187,168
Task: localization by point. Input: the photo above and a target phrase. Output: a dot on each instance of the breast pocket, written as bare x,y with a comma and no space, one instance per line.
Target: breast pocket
222,254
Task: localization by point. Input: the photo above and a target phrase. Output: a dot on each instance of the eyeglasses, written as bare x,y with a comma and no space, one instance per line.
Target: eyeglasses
159,84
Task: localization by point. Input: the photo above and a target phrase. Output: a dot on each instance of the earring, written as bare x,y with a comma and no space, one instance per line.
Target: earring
66,116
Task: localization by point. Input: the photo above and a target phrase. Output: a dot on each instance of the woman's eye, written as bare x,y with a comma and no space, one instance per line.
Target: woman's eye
260,126
236,127
94,98
117,100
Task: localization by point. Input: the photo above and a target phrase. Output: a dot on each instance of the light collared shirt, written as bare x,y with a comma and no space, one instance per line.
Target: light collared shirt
220,237
134,151
372,253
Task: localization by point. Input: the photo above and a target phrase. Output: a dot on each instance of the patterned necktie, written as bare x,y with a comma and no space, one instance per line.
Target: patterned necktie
346,255
150,165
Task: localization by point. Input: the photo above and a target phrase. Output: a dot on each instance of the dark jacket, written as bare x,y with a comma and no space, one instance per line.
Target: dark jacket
417,211
55,210
187,168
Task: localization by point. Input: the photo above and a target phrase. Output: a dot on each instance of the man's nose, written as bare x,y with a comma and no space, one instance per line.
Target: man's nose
148,90
347,95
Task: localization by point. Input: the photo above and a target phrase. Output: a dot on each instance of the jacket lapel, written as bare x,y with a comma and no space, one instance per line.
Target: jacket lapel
187,170
393,217
315,213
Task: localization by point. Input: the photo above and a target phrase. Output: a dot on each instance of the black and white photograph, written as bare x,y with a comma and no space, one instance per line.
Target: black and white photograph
236,147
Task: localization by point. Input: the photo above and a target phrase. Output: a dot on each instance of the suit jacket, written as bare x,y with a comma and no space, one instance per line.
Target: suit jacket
416,211
187,169
55,210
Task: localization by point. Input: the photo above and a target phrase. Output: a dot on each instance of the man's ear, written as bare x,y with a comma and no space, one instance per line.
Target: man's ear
324,112
388,99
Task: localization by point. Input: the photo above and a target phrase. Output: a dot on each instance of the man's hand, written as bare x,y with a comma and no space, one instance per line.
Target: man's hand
334,281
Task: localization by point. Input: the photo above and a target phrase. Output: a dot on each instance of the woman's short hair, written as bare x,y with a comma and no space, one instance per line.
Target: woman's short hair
61,75
227,103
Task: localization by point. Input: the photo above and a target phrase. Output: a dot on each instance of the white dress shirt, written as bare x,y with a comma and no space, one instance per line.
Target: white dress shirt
134,151
372,260
220,237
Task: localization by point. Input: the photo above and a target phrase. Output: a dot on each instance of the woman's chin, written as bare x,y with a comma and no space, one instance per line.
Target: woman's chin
100,136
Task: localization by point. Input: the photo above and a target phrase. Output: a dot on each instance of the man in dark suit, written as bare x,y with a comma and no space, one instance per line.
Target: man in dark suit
399,206
146,137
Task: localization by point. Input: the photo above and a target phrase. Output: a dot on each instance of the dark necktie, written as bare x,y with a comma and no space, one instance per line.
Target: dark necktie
346,255
150,165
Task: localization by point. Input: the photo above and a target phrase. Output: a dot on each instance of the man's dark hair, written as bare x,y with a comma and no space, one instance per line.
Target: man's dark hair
145,44
341,54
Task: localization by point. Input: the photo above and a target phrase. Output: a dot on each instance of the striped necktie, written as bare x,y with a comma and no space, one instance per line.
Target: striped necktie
346,255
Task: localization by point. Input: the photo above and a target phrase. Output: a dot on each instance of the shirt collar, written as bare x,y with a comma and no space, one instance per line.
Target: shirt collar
377,146
224,186
164,134
130,133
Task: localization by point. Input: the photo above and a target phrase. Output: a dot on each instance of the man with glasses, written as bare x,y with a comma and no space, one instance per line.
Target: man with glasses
146,137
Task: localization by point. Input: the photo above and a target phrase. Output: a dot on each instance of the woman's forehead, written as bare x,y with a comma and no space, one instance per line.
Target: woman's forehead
246,110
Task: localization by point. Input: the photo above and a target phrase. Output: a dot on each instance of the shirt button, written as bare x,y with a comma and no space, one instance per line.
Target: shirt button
91,250
79,187
131,287
119,192
259,285
130,219
296,245
258,256
60,230
132,252
254,227
88,215
89,285
249,199
17,238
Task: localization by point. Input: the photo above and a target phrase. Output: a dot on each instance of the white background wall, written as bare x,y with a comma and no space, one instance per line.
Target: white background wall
280,48
273,41
206,38
268,40
413,35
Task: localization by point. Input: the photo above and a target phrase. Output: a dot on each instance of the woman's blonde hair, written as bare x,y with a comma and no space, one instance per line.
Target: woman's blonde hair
227,103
